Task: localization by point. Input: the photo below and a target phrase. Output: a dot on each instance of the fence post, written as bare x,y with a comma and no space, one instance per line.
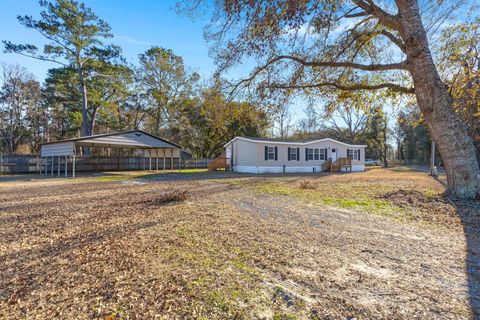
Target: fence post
1,164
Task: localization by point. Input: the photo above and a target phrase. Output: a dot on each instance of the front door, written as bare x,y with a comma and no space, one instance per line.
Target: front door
334,154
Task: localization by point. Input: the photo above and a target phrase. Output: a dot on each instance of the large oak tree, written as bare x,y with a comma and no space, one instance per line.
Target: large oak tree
321,45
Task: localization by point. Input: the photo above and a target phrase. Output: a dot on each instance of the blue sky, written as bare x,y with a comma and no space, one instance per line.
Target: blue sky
136,24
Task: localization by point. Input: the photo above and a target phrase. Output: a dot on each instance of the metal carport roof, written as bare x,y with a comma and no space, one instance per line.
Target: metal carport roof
134,139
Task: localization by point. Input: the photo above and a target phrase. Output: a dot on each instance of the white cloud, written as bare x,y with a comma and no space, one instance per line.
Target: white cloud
130,40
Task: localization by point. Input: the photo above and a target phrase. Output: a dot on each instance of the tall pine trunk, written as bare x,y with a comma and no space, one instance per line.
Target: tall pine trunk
447,129
85,127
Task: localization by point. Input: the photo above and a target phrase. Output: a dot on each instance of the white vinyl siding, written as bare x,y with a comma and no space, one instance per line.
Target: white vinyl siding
58,149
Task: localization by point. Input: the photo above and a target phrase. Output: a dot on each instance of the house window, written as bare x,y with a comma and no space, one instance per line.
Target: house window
271,153
310,154
353,154
313,154
293,154
323,154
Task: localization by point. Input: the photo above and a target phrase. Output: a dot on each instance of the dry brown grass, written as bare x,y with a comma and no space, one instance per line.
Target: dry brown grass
168,197
222,248
305,184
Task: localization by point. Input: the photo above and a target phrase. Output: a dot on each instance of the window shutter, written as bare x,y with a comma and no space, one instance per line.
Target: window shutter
276,153
266,153
358,154
306,154
298,154
288,153
326,156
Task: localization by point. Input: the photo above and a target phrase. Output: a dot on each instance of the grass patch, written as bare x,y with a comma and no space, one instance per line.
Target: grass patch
308,191
111,178
354,203
397,195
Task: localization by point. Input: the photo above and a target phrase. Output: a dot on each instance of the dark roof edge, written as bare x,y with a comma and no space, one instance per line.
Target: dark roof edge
110,134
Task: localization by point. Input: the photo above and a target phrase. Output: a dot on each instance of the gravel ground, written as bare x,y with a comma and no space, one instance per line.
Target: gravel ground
87,249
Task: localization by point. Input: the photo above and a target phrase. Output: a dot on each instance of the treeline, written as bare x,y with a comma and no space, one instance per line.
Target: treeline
200,118
94,90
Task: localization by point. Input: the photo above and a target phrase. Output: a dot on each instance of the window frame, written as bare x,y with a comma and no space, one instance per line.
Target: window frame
310,154
322,155
354,154
313,154
270,151
291,154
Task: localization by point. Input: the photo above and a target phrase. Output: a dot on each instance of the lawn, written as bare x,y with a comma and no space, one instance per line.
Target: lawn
175,245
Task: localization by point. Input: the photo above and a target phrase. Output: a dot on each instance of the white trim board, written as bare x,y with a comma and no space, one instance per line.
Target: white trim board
279,169
295,143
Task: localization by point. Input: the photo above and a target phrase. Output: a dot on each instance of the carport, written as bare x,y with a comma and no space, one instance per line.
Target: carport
152,147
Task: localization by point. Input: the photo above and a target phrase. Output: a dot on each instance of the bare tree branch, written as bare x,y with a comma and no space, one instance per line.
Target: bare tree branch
394,39
41,58
354,87
371,67
356,15
387,19
366,67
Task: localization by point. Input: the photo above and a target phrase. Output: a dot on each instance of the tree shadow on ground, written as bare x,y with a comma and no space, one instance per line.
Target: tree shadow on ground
469,213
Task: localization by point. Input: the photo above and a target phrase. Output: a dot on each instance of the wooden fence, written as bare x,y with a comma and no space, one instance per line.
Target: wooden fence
20,163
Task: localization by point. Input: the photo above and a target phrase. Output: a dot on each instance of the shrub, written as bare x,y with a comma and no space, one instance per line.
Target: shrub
169,196
305,184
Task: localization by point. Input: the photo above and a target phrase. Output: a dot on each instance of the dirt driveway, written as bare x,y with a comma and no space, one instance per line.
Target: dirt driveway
271,247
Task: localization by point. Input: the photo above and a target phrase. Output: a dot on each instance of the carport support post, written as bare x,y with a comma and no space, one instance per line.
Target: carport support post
73,167
51,167
66,166
58,166
171,159
164,159
156,156
150,159
144,167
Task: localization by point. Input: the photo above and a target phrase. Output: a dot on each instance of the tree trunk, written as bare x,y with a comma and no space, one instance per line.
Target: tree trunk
447,129
83,89
93,120
85,127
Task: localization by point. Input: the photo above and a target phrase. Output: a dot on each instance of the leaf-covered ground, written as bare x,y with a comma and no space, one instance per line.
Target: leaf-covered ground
380,244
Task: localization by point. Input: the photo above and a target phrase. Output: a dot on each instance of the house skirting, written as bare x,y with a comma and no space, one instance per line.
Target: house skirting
280,169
